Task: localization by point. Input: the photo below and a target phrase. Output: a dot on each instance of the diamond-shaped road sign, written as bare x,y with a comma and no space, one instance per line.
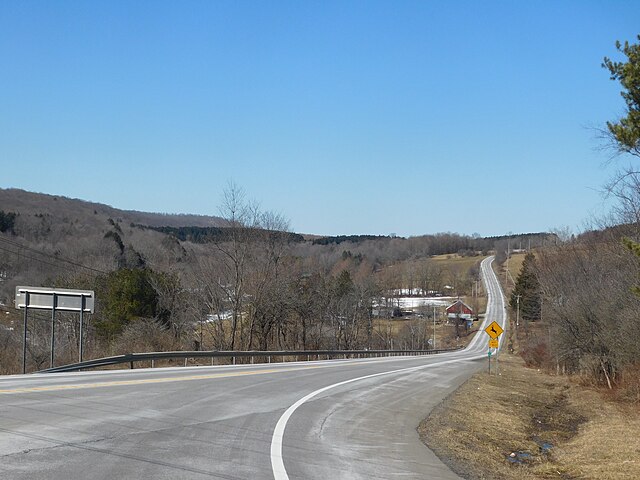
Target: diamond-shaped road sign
494,330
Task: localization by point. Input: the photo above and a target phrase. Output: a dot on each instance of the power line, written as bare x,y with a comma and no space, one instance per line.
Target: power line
28,257
44,254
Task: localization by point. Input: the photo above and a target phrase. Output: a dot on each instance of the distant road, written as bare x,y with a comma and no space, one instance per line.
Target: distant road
351,419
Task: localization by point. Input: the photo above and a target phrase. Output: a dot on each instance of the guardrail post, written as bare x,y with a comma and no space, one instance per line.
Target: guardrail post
234,359
153,362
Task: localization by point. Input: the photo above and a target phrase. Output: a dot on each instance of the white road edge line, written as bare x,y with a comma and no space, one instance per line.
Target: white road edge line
277,462
493,288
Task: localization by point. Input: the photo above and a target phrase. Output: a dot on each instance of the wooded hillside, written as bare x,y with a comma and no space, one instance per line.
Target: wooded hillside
241,281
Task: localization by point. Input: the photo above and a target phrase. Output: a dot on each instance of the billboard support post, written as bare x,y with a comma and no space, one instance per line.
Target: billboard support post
81,341
54,299
24,334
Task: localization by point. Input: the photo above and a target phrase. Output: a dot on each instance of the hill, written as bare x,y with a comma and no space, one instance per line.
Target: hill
49,239
56,206
181,281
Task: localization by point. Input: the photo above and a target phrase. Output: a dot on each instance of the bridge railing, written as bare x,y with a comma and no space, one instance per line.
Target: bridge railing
251,355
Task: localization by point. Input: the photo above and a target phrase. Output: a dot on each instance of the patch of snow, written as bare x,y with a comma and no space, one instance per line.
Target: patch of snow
216,317
416,302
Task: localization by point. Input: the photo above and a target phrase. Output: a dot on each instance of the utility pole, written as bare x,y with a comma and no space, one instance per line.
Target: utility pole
458,320
506,272
201,327
518,310
434,327
369,326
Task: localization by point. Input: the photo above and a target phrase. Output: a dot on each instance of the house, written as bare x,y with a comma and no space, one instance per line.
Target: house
459,309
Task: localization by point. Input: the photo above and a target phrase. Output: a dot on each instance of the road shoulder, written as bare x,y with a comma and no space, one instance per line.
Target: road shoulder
524,423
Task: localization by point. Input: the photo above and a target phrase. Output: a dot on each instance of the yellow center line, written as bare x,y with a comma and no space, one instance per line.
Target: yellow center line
76,386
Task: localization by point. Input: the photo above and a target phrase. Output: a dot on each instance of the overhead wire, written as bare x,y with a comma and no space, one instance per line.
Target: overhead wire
44,254
28,257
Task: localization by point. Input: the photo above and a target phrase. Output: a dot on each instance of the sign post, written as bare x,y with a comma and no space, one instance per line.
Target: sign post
54,299
494,331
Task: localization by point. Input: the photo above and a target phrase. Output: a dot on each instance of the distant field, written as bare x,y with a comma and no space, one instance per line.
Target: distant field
508,280
454,262
515,265
455,271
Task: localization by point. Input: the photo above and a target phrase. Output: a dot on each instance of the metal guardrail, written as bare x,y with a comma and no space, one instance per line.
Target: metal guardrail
131,358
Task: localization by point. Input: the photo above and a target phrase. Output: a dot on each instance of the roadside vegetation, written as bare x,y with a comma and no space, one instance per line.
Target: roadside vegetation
579,300
525,423
537,416
566,403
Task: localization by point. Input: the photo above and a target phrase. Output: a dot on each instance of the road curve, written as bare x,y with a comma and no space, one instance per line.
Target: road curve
311,420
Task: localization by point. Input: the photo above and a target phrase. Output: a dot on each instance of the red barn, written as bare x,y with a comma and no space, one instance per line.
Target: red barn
459,309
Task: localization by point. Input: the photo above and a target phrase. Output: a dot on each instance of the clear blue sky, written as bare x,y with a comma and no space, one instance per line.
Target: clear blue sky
348,117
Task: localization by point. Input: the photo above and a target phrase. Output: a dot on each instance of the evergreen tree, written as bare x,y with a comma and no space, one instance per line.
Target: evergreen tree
625,133
125,295
7,221
344,284
528,288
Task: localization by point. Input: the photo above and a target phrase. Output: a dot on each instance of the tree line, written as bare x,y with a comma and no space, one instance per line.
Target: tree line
579,299
254,287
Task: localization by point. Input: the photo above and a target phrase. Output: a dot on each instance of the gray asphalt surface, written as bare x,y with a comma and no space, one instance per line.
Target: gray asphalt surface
219,422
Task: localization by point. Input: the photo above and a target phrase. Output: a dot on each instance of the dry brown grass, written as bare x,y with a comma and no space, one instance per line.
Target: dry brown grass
453,267
507,280
454,262
515,264
482,423
607,447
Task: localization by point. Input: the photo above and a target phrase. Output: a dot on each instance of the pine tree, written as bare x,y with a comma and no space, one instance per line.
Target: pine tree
528,289
625,133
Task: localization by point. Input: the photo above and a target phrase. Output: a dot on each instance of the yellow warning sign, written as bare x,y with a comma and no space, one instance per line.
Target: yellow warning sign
493,343
494,330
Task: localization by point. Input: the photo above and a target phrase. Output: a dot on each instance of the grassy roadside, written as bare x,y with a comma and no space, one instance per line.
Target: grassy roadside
525,424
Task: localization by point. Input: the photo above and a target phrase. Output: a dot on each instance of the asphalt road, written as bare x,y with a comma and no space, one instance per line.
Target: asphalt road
351,419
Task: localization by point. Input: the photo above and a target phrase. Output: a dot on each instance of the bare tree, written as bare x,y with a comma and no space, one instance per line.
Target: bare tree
240,219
